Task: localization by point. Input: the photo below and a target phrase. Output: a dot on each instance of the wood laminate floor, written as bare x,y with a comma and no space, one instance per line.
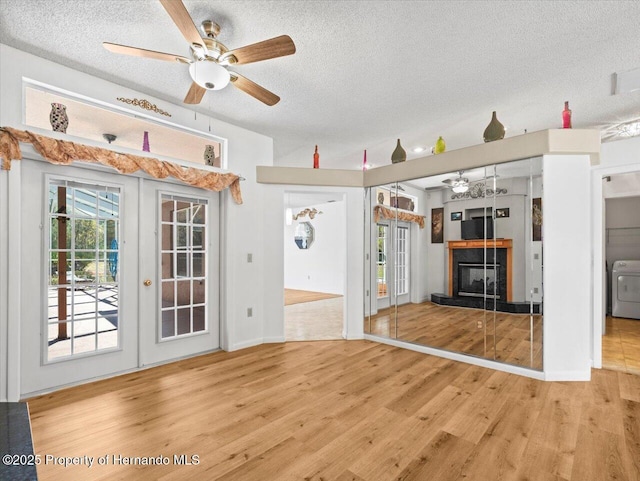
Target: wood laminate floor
296,296
621,345
500,336
343,410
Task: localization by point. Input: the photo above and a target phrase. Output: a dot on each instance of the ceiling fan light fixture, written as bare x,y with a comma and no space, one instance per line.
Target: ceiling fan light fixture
460,188
209,75
630,129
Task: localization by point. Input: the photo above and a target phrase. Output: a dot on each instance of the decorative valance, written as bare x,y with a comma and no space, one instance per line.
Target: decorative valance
380,211
64,152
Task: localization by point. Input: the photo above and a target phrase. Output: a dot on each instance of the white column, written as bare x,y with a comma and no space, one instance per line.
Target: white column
567,264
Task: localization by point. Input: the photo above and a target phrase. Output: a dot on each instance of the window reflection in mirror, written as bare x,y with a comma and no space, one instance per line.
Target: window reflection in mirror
471,280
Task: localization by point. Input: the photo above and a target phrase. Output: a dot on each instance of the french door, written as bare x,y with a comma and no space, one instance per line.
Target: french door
116,273
393,274
179,272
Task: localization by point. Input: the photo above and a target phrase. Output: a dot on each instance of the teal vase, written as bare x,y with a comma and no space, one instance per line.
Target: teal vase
399,155
495,130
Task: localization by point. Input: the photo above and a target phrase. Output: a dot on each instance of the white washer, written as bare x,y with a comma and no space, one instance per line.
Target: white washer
625,289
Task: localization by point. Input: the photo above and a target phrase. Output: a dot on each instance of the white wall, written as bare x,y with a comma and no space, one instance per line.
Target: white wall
4,224
623,229
567,267
534,251
321,267
437,281
623,212
242,226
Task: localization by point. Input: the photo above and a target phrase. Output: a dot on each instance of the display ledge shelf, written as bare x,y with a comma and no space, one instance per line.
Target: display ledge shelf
304,176
525,146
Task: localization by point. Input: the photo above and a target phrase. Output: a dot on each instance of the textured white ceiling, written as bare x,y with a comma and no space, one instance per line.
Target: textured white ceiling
365,72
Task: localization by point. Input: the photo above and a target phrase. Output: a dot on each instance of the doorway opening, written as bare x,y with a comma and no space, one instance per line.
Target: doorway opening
314,266
621,339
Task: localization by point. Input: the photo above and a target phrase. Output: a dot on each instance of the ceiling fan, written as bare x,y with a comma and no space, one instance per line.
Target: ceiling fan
459,185
209,58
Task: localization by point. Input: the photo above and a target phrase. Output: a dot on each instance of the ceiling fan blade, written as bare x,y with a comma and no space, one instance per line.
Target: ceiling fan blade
195,94
272,48
448,181
253,89
141,52
178,13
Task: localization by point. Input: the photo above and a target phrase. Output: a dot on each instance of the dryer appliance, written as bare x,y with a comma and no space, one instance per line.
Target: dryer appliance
625,289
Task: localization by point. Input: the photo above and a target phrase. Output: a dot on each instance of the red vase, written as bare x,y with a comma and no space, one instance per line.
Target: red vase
566,116
316,159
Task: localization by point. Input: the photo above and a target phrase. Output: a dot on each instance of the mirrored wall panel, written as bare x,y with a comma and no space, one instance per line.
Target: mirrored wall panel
454,261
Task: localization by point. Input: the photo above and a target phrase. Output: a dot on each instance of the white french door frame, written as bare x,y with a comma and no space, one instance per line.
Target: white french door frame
12,247
391,263
153,349
36,373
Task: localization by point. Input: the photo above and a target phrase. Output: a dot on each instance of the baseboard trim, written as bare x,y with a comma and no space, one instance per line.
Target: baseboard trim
568,375
245,344
454,356
144,367
274,339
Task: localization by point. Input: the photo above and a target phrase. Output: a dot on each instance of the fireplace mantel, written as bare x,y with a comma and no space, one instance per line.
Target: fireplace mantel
481,244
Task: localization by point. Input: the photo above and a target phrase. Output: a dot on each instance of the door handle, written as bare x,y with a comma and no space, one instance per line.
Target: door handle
147,282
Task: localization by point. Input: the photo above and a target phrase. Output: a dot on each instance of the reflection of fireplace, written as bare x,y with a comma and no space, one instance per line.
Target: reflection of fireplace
495,254
467,260
478,280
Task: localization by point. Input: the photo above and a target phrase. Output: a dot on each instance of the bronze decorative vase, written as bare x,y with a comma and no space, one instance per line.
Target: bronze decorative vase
495,130
399,155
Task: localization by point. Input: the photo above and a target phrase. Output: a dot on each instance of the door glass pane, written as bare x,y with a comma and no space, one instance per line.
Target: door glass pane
198,318
108,204
184,321
182,264
168,323
84,335
58,224
198,214
83,237
198,264
402,261
183,242
167,265
184,293
198,292
198,238
383,251
182,234
167,207
168,294
167,236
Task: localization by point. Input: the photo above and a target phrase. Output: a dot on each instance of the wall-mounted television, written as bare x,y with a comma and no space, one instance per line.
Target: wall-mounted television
475,228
